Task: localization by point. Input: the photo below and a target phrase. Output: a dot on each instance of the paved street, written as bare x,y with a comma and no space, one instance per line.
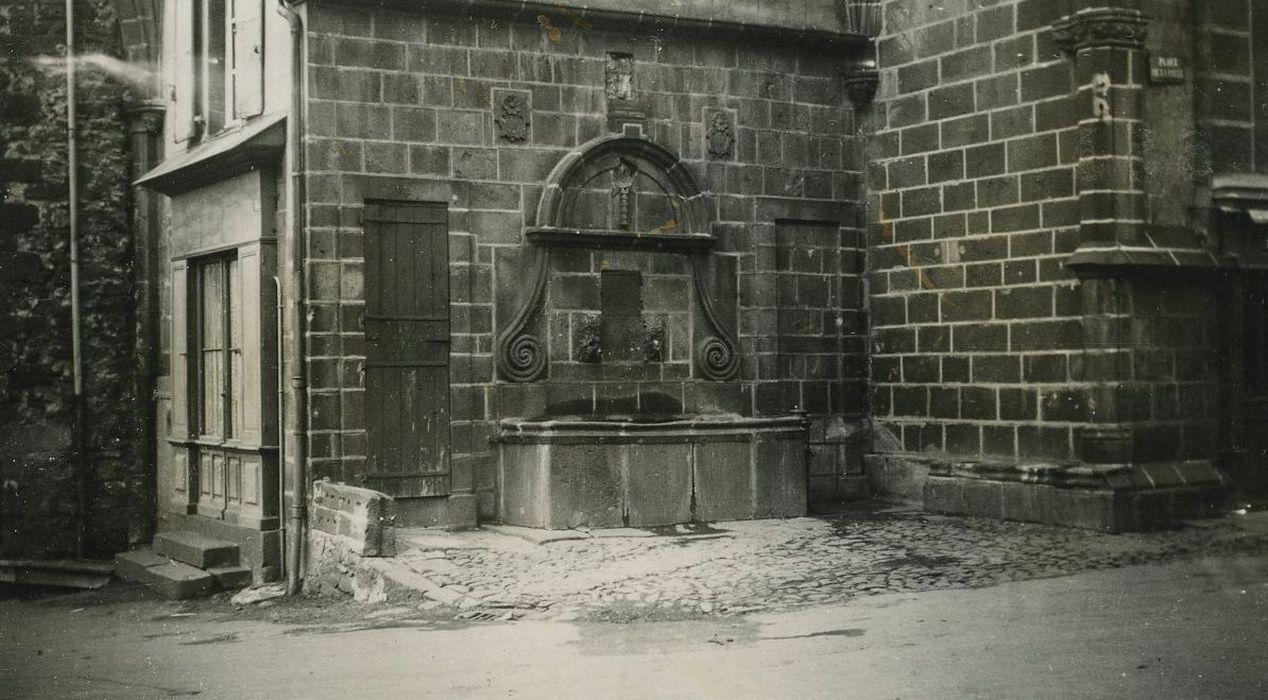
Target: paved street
769,565
1192,628
868,604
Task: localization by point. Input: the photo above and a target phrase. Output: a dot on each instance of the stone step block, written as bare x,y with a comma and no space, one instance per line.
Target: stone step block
196,550
177,581
231,577
133,566
168,578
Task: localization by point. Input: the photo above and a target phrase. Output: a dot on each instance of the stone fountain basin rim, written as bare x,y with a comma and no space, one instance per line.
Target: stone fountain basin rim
614,427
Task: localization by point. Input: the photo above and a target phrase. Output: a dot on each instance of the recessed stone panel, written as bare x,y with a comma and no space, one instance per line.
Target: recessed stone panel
724,490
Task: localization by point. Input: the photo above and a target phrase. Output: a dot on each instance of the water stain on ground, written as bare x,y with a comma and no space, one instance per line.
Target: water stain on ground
422,625
218,639
687,530
605,639
851,632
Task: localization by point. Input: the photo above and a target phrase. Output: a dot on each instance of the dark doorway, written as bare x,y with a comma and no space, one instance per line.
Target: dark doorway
1250,471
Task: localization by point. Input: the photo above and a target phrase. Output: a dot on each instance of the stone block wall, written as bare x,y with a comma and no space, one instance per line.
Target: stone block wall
39,492
976,325
1159,335
819,354
1232,42
1039,296
409,95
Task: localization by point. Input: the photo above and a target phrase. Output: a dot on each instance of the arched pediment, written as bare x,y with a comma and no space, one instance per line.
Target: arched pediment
626,191
622,192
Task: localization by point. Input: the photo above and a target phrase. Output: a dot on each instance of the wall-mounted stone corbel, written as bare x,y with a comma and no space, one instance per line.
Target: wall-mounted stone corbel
861,82
1100,28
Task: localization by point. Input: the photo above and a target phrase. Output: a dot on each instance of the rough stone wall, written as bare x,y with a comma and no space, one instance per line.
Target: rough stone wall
976,325
38,504
411,95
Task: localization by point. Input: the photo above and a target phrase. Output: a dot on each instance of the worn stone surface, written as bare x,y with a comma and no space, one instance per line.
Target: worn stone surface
195,550
169,578
38,498
366,519
740,567
561,474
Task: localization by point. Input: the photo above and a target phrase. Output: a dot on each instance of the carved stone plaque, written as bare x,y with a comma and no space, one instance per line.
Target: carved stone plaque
719,133
620,77
512,116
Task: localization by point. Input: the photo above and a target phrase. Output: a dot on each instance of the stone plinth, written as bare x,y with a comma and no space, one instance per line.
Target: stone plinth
1109,498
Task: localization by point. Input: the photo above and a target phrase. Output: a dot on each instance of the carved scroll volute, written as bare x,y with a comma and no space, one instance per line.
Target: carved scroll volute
521,357
717,356
717,359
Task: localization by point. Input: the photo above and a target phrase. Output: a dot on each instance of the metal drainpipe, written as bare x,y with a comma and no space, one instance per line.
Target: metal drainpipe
77,359
280,340
297,360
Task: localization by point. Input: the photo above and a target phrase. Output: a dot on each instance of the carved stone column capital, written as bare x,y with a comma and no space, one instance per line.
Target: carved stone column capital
1101,27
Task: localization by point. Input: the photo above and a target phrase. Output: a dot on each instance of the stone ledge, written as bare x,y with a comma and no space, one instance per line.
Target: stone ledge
811,23
1109,498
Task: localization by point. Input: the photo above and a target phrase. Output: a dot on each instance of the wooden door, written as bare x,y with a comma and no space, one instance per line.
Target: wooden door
407,355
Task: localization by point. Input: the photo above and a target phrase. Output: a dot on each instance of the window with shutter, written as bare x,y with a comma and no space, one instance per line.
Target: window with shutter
183,70
214,66
248,58
216,74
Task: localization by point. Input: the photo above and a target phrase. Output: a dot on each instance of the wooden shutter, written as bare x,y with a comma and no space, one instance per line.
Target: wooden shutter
248,58
184,84
180,351
407,355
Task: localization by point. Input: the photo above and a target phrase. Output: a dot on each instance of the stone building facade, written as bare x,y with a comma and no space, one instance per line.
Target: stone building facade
635,264
563,268
743,168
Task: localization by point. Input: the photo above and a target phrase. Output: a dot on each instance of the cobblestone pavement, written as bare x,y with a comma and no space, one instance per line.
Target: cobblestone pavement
740,567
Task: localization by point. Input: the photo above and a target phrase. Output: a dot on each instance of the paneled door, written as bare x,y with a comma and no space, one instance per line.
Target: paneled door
407,355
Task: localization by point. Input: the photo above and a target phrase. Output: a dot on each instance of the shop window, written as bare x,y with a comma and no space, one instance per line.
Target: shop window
216,77
217,340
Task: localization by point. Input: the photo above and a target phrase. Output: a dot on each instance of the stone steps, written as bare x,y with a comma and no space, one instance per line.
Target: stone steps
196,550
184,565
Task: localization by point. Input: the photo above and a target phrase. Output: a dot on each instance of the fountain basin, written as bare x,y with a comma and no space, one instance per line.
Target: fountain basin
650,470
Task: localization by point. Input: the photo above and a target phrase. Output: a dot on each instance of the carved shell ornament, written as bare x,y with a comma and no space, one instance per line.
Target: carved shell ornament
512,117
721,136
